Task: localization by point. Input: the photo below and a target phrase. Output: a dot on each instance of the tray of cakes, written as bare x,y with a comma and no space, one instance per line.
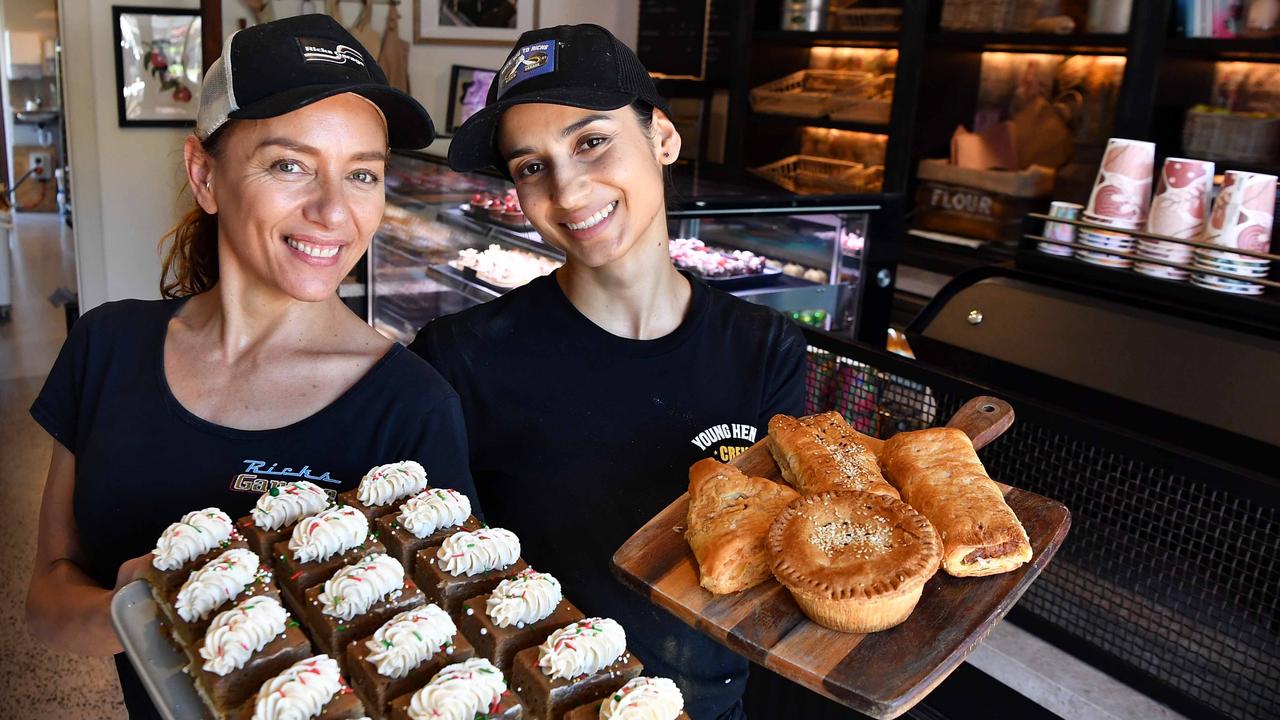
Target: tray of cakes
865,570
501,268
501,209
391,602
724,268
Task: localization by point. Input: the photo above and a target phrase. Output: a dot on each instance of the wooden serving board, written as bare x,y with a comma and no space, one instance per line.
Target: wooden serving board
880,674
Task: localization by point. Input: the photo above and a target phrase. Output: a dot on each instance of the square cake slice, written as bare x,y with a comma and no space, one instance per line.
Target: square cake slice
467,564
403,655
188,545
278,510
315,681
233,576
425,520
243,648
475,687
384,487
520,613
356,600
565,671
319,546
657,698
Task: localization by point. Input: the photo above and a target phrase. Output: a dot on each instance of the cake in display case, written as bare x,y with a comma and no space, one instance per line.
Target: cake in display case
449,241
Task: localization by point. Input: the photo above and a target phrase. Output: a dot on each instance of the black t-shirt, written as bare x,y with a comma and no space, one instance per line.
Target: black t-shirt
143,460
578,437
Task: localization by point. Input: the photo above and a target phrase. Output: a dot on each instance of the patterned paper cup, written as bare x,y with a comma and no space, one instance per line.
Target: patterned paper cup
1060,231
1243,214
1179,207
1121,192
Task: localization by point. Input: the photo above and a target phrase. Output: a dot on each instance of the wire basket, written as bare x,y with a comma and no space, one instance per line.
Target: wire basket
806,174
871,102
805,93
989,15
847,17
1229,136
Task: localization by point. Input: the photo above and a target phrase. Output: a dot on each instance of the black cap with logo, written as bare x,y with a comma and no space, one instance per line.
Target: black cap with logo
275,68
581,66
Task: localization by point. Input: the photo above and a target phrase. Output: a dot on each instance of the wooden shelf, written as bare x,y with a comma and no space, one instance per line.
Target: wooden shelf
1088,44
875,38
822,122
1264,49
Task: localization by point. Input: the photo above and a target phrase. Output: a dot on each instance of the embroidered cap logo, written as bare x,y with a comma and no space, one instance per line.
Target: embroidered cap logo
314,50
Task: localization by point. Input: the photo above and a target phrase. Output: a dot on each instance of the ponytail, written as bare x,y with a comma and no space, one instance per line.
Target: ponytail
191,262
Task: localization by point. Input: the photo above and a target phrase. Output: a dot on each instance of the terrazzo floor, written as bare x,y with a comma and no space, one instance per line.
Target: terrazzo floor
36,682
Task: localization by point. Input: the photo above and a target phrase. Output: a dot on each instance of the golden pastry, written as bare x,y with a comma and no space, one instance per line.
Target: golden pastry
823,452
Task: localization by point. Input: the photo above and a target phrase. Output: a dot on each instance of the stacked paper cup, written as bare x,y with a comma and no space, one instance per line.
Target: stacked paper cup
1178,210
1060,231
1120,198
1241,219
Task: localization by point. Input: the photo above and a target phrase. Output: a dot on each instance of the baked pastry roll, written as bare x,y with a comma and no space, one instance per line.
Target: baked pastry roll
729,518
940,475
823,452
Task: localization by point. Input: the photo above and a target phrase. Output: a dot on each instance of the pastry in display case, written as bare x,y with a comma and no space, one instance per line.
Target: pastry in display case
450,241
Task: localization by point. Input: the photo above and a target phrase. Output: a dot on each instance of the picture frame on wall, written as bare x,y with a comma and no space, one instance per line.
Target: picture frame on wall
473,22
468,88
159,65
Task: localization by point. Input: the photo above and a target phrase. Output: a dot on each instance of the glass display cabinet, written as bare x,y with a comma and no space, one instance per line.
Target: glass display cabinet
450,240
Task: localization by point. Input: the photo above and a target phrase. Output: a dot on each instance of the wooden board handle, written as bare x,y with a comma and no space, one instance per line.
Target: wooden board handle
983,419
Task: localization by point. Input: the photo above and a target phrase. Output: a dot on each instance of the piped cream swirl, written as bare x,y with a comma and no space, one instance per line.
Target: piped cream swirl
409,638
582,648
524,599
236,634
461,691
220,580
300,692
473,553
385,484
328,533
644,698
433,510
195,534
290,503
357,587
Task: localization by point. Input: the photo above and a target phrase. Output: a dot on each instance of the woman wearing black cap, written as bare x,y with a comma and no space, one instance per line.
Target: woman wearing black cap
253,371
589,393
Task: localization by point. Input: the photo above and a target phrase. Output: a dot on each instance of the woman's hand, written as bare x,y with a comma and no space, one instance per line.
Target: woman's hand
131,570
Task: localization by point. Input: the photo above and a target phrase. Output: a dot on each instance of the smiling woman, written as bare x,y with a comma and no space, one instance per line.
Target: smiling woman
589,393
161,408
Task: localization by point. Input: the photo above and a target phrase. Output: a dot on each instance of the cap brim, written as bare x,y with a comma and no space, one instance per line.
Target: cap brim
409,126
474,145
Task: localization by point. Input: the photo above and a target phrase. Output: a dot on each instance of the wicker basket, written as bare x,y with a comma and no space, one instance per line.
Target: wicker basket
806,174
870,103
1227,136
804,93
989,15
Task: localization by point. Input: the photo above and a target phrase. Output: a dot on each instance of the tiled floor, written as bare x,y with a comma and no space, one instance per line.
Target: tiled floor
35,682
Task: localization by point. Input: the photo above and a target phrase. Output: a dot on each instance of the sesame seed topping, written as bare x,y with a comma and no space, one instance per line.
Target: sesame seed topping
862,539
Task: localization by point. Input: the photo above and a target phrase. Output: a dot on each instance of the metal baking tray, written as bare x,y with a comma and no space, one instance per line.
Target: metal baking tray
159,664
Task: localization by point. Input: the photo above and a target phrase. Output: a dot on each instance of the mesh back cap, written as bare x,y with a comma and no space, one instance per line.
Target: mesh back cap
275,68
582,66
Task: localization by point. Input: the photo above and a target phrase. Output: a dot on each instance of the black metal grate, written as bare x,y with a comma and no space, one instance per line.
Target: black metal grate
1176,578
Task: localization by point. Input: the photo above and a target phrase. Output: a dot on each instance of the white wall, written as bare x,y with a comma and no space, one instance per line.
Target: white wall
125,181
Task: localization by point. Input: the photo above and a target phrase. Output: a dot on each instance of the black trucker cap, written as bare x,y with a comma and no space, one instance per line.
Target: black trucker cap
277,67
581,66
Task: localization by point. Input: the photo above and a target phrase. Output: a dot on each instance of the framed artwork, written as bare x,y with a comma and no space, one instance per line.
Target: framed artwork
468,88
473,22
158,65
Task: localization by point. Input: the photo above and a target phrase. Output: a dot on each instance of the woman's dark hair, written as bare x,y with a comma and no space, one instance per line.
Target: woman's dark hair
191,262
644,115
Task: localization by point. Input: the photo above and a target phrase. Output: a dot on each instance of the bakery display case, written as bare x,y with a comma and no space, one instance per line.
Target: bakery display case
449,241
